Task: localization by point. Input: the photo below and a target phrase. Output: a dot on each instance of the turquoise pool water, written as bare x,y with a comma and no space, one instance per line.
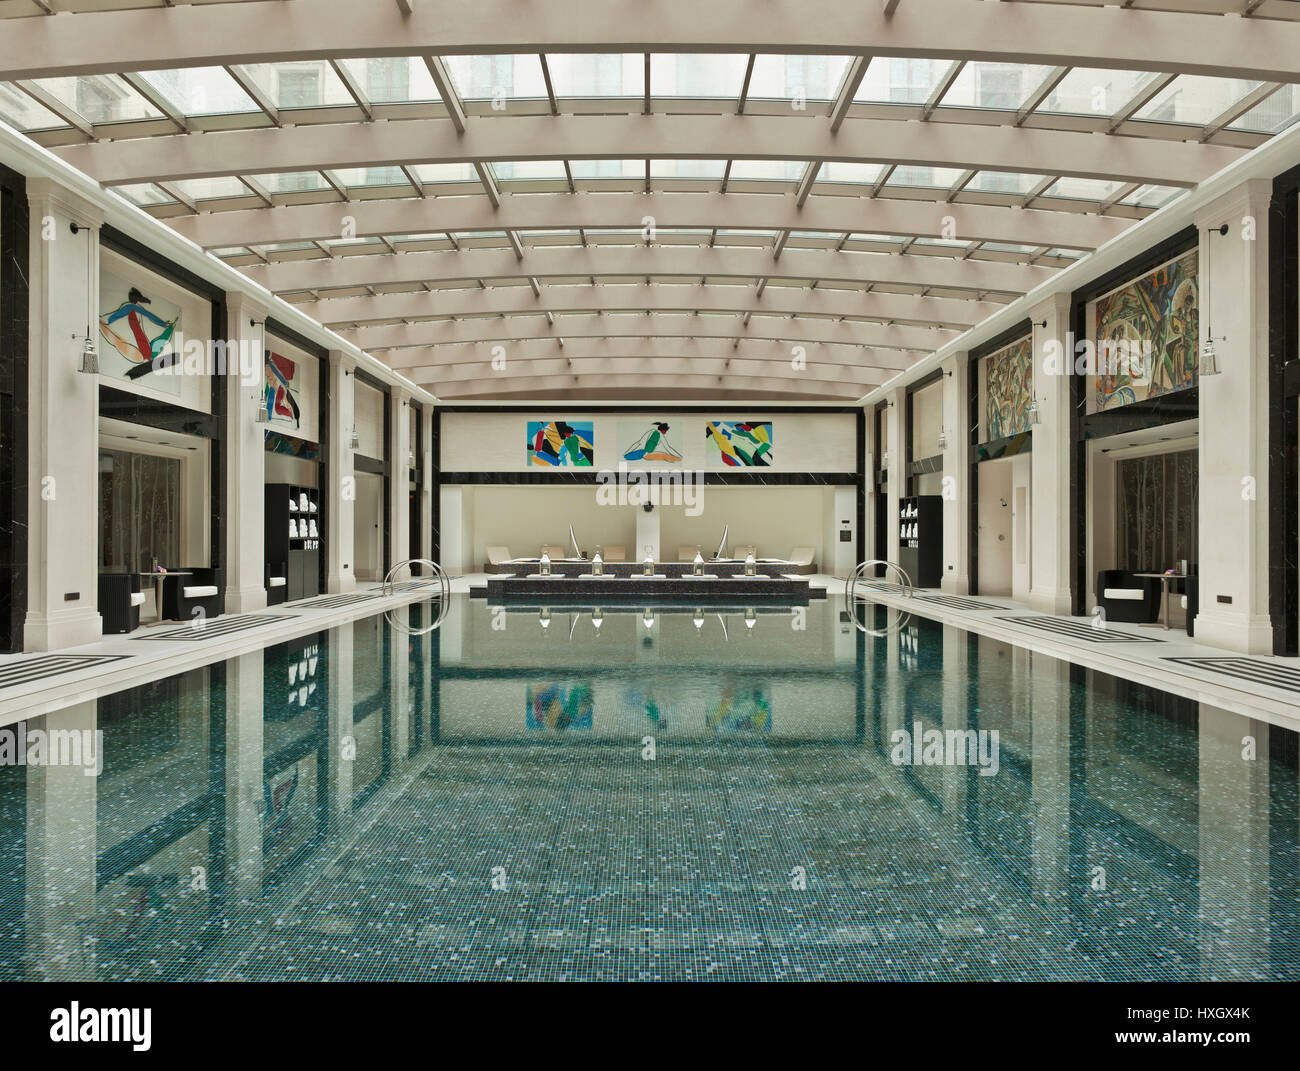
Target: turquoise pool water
623,794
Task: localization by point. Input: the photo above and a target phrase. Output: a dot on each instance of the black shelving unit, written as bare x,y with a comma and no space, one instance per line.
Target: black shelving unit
920,539
294,537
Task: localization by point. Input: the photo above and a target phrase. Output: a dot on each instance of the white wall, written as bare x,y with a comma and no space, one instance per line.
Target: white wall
368,412
927,417
995,527
497,442
1021,526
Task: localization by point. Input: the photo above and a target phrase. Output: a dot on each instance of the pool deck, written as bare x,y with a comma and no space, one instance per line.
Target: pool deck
1259,686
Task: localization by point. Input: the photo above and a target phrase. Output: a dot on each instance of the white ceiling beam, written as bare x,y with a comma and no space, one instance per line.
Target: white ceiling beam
451,333
695,211
680,386
270,30
340,313
354,89
640,261
600,137
669,372
446,90
256,94
852,80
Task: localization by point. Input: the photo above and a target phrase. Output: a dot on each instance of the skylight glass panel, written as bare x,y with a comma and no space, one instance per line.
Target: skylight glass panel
597,74
1003,86
780,77
434,173
1195,99
99,98
200,90
1007,247
607,169
293,181
768,170
1083,189
202,189
309,84
1091,91
514,76
840,171
21,112
696,74
900,80
687,169
940,178
370,176
1152,196
393,79
1003,182
521,170
1273,114
143,194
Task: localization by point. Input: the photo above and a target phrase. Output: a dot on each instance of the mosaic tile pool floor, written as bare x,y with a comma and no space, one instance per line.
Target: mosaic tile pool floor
478,803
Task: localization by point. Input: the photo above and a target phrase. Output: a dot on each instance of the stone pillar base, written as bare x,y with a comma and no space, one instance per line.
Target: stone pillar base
955,584
1050,602
245,600
64,628
1235,632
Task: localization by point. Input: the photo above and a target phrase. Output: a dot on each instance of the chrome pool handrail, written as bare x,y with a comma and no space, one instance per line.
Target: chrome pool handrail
852,598
443,595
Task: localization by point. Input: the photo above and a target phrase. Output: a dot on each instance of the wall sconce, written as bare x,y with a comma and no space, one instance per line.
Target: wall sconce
410,459
884,459
89,350
354,443
1209,365
1034,416
943,438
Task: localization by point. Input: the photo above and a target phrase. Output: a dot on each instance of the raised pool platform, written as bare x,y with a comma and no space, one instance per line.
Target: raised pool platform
731,587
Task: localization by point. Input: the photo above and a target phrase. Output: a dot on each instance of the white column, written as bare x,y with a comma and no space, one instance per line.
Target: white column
340,536
956,475
63,418
245,446
896,432
427,489
399,482
647,533
399,689
1049,488
1233,456
244,777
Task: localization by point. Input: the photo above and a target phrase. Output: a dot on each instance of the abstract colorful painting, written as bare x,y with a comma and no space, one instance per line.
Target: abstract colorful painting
648,442
559,706
559,444
743,444
1156,315
1008,388
278,390
140,334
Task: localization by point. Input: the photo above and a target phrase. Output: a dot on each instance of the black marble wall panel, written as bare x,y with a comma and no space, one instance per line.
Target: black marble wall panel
590,478
14,335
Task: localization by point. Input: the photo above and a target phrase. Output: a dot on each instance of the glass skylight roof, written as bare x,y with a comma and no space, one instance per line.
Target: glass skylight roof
504,77
597,74
21,112
769,170
1090,91
1004,86
99,98
299,85
200,90
806,77
901,80
839,171
393,79
1193,99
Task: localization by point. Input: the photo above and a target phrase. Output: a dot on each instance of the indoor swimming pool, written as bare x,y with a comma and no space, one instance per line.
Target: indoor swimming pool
664,792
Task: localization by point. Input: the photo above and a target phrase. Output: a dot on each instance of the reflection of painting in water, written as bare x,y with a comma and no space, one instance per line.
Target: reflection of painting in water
1008,386
1160,308
727,706
647,443
739,444
559,706
557,443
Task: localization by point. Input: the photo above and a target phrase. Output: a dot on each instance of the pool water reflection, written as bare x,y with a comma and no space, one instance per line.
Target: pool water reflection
630,793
